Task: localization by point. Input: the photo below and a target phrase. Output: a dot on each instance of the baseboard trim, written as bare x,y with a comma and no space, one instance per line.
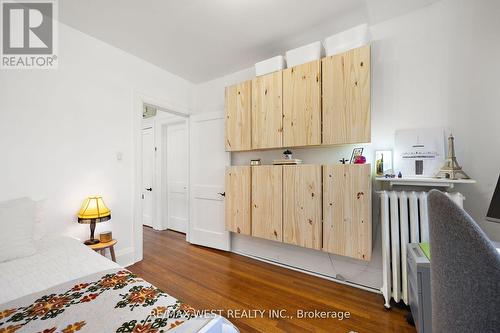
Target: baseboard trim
125,257
305,271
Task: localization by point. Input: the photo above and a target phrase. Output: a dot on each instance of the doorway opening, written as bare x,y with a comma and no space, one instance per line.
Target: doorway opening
165,165
205,170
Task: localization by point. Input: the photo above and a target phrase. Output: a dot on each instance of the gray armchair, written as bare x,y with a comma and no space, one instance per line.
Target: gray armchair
465,271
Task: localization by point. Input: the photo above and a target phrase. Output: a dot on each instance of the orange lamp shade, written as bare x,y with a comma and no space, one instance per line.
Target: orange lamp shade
93,211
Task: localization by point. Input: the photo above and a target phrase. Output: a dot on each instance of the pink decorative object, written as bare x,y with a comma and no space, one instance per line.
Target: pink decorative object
359,159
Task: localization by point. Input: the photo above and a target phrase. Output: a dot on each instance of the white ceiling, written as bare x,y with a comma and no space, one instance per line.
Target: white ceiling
200,40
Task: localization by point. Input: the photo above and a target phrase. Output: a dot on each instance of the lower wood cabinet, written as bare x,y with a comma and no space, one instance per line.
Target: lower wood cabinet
238,196
325,207
267,202
302,205
347,210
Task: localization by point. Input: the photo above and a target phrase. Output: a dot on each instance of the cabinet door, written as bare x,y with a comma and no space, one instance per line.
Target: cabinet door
302,205
238,194
347,224
302,105
346,97
238,111
267,202
267,115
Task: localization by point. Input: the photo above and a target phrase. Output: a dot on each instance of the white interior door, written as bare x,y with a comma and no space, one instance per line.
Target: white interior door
147,176
208,161
177,177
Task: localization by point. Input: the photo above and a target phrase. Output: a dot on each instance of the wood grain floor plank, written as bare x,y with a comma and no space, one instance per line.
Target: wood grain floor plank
209,279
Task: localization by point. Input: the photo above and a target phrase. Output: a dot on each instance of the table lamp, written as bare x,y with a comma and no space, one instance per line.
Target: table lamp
93,211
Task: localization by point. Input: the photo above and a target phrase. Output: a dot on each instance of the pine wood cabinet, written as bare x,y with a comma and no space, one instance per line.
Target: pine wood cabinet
267,202
302,105
267,114
324,102
238,196
302,194
346,97
238,112
319,207
347,224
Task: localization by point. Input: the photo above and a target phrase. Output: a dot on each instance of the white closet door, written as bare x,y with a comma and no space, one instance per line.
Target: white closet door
208,160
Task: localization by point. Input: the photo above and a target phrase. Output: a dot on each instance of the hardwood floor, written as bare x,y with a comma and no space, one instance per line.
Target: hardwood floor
208,279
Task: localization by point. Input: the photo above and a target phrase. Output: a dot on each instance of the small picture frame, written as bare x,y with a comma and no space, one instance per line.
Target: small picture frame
383,162
356,152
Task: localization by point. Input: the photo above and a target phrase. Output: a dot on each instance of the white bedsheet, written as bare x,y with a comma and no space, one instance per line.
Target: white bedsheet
57,260
61,259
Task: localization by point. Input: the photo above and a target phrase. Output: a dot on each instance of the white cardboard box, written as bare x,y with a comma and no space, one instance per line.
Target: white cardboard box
303,54
270,65
347,40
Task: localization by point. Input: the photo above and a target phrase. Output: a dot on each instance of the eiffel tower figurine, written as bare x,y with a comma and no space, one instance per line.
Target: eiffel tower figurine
451,169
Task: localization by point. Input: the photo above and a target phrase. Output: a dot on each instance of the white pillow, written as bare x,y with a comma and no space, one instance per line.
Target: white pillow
39,228
17,218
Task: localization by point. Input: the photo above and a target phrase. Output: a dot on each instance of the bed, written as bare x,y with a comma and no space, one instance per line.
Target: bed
66,287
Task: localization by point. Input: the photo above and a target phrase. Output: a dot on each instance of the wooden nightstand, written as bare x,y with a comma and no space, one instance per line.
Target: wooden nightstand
101,247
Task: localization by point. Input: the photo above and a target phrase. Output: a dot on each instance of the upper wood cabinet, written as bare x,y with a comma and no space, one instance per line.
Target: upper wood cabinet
321,102
238,111
267,115
347,224
302,223
267,202
302,105
238,194
346,97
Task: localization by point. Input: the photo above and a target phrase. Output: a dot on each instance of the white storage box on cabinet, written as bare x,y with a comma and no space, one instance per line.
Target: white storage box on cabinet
347,40
270,65
303,54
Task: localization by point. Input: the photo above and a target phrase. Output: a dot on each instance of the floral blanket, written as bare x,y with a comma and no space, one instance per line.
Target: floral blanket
109,301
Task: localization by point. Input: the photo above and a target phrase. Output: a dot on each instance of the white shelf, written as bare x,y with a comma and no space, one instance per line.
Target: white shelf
424,181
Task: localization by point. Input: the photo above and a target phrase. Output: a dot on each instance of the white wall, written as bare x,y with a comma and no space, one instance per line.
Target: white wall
436,66
60,131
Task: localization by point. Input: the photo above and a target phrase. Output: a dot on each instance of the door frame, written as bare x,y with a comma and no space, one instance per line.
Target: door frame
161,126
139,100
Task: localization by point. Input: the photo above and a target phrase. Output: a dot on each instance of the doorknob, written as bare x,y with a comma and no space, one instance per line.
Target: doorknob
149,189
222,193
